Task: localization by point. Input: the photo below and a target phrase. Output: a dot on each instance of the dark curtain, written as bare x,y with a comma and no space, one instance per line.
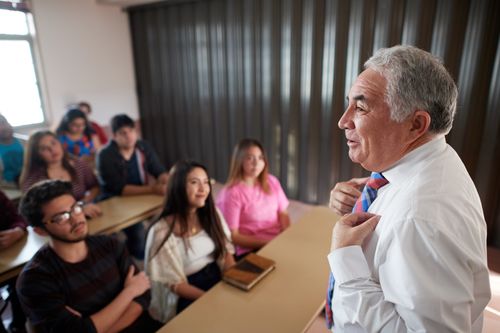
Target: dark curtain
212,72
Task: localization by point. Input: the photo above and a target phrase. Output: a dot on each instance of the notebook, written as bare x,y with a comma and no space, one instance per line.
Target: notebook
248,271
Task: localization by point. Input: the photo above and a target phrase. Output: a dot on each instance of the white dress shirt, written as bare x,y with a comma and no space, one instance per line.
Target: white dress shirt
424,268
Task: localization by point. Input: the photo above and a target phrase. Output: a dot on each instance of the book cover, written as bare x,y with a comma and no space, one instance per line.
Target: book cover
248,271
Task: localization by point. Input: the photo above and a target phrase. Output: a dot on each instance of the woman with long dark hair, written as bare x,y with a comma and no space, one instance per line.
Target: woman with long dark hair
77,137
189,246
45,158
252,201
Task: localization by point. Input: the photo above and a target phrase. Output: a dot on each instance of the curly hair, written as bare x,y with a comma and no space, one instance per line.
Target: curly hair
38,195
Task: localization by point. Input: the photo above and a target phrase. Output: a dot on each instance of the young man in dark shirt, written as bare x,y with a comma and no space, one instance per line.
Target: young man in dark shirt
129,166
76,282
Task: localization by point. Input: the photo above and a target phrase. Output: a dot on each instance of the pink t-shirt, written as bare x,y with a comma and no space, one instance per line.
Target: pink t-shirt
253,212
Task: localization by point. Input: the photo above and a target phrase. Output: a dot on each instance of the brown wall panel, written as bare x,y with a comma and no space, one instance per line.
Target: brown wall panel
214,71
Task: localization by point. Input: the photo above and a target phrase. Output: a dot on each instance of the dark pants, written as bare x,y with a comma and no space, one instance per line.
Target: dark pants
143,324
136,241
204,279
136,238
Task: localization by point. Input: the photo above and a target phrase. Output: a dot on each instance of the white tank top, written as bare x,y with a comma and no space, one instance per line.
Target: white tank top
196,252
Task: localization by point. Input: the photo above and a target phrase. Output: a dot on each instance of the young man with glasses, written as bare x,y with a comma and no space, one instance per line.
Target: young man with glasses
76,282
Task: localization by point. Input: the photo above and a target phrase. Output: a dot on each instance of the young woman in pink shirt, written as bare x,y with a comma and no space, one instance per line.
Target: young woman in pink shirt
252,202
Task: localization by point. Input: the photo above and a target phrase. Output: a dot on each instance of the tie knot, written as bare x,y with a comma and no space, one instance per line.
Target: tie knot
376,181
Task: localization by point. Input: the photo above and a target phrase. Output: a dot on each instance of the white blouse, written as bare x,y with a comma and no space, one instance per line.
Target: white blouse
170,264
196,251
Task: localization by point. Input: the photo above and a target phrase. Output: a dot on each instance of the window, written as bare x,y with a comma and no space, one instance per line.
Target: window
20,98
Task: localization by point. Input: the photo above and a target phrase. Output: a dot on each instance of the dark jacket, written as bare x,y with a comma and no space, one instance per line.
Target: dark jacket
112,173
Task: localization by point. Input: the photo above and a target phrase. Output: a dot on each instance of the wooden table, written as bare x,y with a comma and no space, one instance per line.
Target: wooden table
121,212
14,257
118,213
287,300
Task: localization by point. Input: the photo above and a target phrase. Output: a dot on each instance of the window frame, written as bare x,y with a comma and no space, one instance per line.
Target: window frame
30,37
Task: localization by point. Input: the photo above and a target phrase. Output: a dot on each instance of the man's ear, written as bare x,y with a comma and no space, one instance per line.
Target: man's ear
41,231
421,121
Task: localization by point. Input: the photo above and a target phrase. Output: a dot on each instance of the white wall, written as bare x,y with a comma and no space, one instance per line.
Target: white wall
86,54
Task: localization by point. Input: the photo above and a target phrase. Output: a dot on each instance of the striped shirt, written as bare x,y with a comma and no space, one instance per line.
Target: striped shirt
85,179
47,284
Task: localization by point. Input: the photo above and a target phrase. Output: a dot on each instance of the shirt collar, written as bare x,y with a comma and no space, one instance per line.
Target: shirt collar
414,161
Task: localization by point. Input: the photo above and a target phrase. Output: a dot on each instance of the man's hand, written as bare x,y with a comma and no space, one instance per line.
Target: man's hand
10,236
163,178
159,188
344,195
92,210
352,229
136,284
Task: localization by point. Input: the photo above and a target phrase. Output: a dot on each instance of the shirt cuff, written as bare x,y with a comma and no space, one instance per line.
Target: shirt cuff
348,263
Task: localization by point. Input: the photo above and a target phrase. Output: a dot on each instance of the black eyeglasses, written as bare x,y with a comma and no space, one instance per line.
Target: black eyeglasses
63,218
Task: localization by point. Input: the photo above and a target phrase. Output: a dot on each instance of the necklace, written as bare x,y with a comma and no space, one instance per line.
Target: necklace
193,230
192,223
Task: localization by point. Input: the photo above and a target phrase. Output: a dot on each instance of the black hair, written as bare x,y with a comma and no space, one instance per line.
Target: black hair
121,120
40,194
85,104
71,115
176,205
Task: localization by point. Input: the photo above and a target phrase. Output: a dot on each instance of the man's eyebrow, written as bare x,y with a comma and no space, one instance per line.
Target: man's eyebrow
65,211
357,98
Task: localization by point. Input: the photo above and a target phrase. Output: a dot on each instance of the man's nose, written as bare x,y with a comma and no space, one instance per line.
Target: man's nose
346,119
73,219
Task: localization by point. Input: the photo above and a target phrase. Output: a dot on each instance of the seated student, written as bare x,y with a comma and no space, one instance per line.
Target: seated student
76,282
128,166
77,137
252,201
11,153
98,130
12,225
12,229
188,246
46,159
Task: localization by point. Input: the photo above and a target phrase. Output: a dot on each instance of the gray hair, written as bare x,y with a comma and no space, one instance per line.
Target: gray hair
416,80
